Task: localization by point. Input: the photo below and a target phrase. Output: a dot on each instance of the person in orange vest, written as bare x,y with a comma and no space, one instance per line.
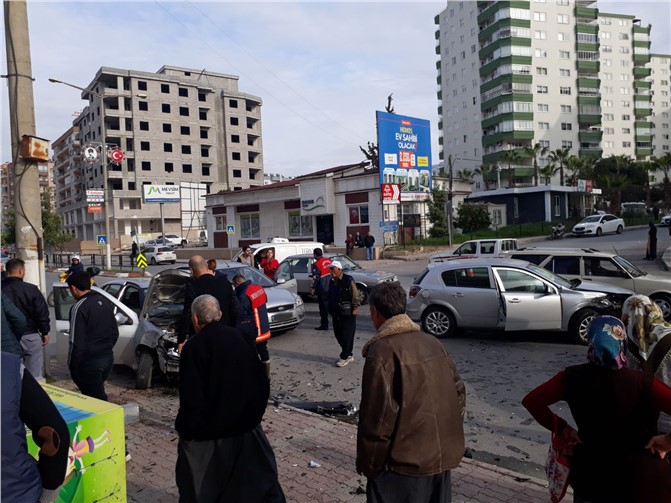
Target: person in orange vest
321,277
253,316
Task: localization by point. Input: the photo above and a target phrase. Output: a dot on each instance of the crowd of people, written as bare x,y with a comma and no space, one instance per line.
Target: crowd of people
413,400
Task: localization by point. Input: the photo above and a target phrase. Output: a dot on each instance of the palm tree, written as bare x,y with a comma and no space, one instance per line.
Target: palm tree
548,171
536,151
510,156
560,156
588,166
613,185
574,166
649,167
664,165
465,174
622,162
485,171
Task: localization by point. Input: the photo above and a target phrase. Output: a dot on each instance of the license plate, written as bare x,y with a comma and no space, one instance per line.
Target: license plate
283,316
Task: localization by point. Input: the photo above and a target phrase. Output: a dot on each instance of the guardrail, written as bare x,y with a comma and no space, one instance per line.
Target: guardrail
119,260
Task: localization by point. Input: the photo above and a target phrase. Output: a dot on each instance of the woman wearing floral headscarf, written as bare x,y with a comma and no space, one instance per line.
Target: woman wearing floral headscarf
648,344
615,409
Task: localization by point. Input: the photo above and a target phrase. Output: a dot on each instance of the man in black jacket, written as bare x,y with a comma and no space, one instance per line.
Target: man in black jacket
343,302
204,282
93,334
30,301
222,454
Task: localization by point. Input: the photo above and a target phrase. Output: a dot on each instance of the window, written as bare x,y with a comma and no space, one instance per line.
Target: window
542,89
146,166
604,34
545,143
540,35
165,108
540,53
470,277
608,117
299,226
543,125
564,72
143,105
233,103
144,145
184,111
165,88
202,114
187,168
609,144
562,19
540,16
566,144
203,133
626,144
220,223
235,138
358,214
566,109
183,92
543,107
565,90
205,151
236,156
518,281
562,37
237,173
234,121
626,130
202,97
623,36
185,130
541,70
250,227
624,77
186,149
607,103
141,85
608,130
564,54
565,265
169,168
556,206
144,126
167,128
167,147
205,169
566,126
626,117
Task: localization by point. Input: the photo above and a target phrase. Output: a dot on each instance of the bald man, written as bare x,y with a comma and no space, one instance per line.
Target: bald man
205,283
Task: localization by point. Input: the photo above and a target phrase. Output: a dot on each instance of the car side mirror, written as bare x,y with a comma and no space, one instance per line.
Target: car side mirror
121,318
281,281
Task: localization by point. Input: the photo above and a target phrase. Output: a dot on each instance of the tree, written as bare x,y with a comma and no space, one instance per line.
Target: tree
371,152
473,217
613,185
648,167
559,156
536,151
486,171
437,215
8,228
52,225
664,165
465,174
548,171
573,165
510,156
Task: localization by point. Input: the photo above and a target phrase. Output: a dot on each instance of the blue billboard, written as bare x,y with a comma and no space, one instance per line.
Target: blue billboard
404,147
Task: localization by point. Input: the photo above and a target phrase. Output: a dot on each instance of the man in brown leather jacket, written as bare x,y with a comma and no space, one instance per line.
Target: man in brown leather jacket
412,408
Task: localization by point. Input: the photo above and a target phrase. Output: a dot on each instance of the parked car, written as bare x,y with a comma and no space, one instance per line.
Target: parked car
665,221
283,248
4,257
159,242
477,248
595,225
506,294
159,254
299,267
152,309
604,267
175,240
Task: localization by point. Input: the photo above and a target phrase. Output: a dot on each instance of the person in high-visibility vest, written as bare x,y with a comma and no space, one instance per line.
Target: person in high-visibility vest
253,316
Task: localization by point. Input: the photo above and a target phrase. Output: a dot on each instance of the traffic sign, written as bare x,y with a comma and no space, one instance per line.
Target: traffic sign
141,261
391,193
389,223
230,229
101,239
390,227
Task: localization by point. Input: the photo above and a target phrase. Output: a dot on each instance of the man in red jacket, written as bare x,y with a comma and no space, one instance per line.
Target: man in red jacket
321,277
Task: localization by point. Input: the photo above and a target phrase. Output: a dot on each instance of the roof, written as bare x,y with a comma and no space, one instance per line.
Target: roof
475,262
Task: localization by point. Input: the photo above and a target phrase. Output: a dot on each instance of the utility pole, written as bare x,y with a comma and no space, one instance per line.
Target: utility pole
27,204
449,199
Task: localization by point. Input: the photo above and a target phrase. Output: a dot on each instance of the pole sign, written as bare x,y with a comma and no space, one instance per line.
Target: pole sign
404,146
391,193
115,155
95,196
161,193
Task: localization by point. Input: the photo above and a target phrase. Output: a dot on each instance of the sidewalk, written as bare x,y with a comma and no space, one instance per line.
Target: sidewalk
301,441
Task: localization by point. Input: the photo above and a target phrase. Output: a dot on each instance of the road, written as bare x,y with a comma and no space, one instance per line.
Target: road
498,368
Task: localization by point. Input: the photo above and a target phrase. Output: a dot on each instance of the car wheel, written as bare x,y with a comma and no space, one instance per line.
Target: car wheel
153,261
577,327
619,229
363,294
599,231
145,370
664,302
50,299
439,322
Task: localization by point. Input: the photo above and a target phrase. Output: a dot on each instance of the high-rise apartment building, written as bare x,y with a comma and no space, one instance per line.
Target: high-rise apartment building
660,90
8,182
177,126
557,73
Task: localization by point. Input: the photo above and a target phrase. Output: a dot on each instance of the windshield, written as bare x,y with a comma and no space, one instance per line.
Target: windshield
347,263
594,218
550,276
628,266
257,277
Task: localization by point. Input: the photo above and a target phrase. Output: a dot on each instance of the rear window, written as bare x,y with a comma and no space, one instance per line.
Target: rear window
418,279
468,277
487,247
565,265
165,249
533,258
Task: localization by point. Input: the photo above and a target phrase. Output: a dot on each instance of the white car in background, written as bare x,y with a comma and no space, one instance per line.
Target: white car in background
595,225
665,221
175,240
159,255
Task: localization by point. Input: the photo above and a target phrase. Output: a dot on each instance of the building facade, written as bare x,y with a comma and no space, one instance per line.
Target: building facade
8,185
177,126
556,73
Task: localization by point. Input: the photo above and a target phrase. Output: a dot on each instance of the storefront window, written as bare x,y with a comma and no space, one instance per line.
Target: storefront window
250,227
358,214
299,226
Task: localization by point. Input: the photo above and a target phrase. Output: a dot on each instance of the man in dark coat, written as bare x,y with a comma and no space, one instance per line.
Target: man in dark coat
369,242
13,325
204,282
223,454
343,302
651,249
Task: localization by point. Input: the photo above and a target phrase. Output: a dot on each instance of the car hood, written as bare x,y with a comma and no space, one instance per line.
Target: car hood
278,296
594,286
165,294
361,274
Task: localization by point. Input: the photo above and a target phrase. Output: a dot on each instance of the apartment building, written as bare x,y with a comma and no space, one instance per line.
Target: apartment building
177,126
557,73
8,183
660,90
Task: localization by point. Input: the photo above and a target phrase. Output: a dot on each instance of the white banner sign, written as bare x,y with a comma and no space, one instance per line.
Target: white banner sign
161,193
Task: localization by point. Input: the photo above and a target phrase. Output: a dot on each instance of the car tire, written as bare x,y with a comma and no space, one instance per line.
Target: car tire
599,231
619,229
577,327
664,302
363,294
145,370
153,261
439,322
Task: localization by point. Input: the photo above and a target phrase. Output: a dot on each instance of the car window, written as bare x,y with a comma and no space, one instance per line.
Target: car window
608,218
418,279
549,276
466,248
63,301
519,281
487,247
592,219
564,265
131,298
628,266
165,249
283,272
347,263
255,275
601,267
533,258
112,289
468,277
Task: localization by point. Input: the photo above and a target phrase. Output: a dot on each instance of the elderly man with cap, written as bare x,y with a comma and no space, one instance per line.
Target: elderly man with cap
343,302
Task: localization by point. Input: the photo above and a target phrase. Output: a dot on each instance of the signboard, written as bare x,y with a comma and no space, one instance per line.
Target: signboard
101,239
141,261
95,196
90,153
161,193
230,229
391,226
94,208
391,193
404,145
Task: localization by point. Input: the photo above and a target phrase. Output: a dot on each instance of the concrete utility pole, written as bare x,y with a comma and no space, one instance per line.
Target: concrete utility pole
450,229
27,204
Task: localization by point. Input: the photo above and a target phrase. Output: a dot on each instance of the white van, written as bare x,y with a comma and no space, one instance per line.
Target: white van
283,248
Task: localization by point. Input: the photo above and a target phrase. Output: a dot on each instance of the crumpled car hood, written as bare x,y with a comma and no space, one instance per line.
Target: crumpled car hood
165,294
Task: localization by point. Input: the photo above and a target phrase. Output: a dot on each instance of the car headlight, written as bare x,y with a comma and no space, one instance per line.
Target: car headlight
393,279
299,302
603,301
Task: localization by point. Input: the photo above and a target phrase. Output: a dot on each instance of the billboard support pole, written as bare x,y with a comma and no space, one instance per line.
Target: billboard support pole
449,200
162,223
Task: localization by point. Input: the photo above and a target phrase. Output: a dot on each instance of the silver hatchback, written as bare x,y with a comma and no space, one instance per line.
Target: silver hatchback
507,294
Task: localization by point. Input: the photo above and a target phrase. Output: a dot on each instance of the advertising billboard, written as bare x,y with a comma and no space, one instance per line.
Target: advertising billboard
161,193
404,146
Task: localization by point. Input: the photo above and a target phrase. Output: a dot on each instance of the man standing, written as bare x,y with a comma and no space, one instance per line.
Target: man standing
410,432
321,277
30,301
253,316
204,282
222,454
369,242
343,302
93,334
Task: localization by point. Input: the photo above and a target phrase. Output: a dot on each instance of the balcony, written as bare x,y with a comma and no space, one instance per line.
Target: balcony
641,73
507,136
591,67
643,152
641,59
642,112
590,152
586,12
590,136
589,119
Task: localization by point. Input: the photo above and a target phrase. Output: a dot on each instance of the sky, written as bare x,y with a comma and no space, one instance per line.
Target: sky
322,69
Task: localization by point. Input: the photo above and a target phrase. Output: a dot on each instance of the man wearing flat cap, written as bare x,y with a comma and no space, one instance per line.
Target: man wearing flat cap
343,302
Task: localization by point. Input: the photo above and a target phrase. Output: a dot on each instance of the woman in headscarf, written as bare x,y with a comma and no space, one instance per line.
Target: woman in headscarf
651,250
615,409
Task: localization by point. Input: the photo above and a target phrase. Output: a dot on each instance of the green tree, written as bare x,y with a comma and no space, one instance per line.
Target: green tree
465,174
573,165
473,217
8,236
613,184
664,165
559,156
548,171
487,172
52,225
509,157
437,215
535,152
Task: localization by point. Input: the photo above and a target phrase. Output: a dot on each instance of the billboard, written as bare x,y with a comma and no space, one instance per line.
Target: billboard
161,193
404,146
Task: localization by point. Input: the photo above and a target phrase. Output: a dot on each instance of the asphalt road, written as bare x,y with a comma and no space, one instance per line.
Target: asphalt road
498,368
